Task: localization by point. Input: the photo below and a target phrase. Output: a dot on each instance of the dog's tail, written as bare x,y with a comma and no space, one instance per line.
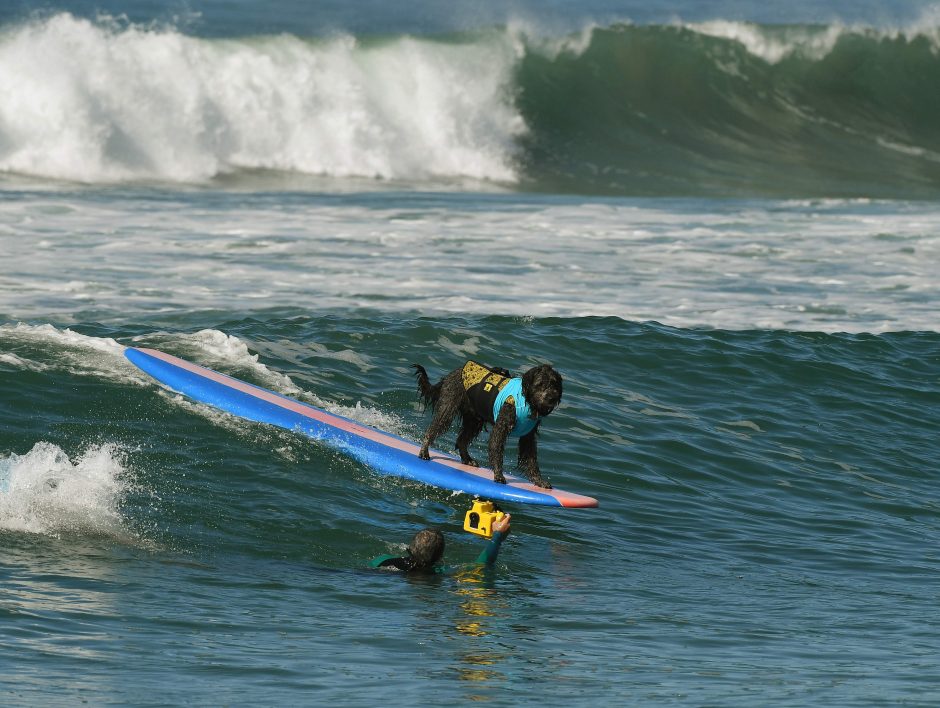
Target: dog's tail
427,392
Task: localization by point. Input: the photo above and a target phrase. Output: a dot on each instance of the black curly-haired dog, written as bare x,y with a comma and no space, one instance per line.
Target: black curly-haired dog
484,395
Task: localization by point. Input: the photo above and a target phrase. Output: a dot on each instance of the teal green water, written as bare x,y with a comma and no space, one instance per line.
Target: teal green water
717,220
767,529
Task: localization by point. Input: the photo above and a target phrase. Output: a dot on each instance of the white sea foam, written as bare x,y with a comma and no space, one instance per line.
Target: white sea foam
93,102
531,34
66,350
19,362
62,337
45,492
773,43
852,265
221,350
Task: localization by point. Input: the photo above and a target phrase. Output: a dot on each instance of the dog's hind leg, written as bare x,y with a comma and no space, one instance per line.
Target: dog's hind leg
444,413
472,425
443,417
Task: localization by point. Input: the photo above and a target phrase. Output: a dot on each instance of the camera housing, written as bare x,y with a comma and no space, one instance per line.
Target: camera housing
479,520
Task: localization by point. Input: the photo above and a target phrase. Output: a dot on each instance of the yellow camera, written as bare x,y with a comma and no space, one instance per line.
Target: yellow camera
480,518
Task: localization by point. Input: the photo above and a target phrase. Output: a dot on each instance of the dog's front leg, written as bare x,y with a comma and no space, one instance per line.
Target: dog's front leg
472,425
529,459
501,429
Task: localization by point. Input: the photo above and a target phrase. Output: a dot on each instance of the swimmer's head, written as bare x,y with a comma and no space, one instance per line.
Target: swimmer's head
426,549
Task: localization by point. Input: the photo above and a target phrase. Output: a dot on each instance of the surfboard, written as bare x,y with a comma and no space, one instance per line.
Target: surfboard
384,452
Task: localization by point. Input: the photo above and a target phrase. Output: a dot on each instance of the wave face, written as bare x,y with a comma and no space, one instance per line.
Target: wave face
715,108
729,108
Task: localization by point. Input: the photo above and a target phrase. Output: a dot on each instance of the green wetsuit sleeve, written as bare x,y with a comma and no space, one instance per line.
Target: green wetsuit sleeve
489,554
376,562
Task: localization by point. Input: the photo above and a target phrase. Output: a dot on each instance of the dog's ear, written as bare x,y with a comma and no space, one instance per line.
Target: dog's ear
543,377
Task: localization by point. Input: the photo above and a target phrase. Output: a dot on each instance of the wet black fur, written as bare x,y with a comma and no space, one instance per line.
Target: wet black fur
542,388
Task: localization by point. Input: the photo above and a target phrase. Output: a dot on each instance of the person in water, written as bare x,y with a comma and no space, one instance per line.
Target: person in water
427,549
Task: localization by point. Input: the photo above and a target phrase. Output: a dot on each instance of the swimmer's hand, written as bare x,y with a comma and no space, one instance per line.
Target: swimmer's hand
502,524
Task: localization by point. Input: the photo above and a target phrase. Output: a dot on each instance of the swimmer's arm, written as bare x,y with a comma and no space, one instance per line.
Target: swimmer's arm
491,551
383,559
489,554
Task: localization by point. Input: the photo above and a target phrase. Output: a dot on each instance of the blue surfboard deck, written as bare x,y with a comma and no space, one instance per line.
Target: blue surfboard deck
384,452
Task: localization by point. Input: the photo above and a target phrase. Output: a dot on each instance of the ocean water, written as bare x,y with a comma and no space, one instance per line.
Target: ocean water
719,221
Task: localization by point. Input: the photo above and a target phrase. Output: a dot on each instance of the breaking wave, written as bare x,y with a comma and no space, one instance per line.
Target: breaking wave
714,108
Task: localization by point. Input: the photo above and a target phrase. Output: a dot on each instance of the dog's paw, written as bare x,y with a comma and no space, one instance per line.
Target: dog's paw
470,462
424,454
499,478
541,482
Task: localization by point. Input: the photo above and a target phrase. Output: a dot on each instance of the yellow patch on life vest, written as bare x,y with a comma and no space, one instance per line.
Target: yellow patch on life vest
473,374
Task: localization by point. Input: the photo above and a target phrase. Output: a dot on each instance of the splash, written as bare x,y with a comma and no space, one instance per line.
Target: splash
45,492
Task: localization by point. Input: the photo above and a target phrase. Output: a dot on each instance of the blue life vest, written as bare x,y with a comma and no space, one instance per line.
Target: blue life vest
525,423
488,390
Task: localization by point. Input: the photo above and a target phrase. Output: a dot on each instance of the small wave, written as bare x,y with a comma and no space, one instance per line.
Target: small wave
18,362
229,354
47,333
218,350
49,348
45,492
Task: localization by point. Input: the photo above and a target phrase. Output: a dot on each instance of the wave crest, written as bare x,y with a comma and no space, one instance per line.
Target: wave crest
91,102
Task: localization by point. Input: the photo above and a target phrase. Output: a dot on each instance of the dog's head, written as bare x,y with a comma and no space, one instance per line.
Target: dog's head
541,387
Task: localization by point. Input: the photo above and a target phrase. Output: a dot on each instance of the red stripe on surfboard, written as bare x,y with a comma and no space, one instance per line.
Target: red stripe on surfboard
566,499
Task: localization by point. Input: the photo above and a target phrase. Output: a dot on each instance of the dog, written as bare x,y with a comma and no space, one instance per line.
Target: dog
482,395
